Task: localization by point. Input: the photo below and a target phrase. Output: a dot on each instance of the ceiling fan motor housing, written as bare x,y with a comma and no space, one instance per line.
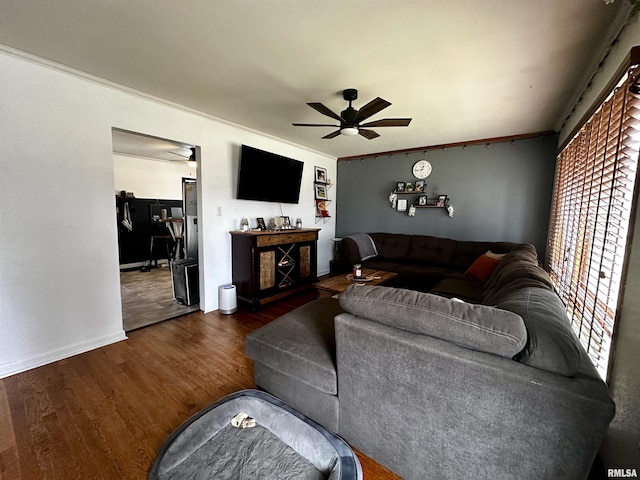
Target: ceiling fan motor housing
349,116
350,94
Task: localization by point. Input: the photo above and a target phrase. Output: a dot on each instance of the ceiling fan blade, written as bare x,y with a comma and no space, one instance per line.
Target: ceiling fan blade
389,122
371,108
368,134
325,111
314,125
332,134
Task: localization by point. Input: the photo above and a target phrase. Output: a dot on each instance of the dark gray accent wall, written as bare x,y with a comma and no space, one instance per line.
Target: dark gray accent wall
499,192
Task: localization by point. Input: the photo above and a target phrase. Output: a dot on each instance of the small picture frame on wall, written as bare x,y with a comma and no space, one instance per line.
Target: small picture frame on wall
402,205
442,201
320,175
422,200
261,225
321,192
420,186
400,186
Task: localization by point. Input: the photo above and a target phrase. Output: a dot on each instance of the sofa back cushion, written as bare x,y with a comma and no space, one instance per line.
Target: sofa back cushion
482,328
551,343
515,268
520,255
433,251
391,246
496,295
467,252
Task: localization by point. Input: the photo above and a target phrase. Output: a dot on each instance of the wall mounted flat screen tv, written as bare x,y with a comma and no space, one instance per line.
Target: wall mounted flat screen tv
268,177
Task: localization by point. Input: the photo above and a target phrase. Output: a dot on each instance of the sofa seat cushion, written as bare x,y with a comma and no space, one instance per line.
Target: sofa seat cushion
382,264
300,344
551,344
478,327
467,289
420,277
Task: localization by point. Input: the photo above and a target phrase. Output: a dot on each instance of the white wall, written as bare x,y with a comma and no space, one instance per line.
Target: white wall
621,447
150,178
59,288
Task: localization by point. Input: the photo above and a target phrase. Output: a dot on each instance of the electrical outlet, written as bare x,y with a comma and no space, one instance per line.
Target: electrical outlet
219,213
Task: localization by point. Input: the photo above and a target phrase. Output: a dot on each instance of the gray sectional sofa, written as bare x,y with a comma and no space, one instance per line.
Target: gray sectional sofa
433,264
433,387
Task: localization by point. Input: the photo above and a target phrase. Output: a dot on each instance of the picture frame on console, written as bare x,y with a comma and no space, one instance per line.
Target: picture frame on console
278,222
320,174
261,225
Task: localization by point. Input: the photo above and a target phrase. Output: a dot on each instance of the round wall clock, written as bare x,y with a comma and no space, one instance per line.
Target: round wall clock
421,169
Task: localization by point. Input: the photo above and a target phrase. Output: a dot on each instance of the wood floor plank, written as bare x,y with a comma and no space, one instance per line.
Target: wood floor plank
9,462
105,413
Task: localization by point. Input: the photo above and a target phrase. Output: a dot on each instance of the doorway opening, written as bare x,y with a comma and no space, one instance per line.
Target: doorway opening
157,222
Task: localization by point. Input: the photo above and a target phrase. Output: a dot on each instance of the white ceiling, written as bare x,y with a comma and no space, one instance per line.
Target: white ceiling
463,70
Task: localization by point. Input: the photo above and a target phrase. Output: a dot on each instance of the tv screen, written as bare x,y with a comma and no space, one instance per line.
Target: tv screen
268,177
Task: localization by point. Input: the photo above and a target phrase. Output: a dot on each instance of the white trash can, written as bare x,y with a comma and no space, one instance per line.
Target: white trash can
227,300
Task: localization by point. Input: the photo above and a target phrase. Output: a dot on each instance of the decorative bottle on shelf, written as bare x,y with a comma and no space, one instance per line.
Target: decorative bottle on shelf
244,225
298,223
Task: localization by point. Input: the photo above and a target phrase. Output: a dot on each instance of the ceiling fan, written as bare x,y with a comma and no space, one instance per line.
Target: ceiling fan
191,158
350,119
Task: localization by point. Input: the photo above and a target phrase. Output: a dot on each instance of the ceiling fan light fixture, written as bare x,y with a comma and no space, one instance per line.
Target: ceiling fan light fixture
349,131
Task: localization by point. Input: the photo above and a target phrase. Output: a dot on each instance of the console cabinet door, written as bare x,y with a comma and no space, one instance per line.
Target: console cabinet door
305,261
267,270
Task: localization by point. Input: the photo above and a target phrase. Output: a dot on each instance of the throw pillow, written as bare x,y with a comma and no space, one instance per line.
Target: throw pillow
497,256
483,266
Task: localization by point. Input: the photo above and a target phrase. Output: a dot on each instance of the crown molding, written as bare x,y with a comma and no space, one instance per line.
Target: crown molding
43,62
484,141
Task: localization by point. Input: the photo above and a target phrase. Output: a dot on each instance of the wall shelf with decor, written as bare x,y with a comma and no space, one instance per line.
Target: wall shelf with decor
419,199
321,186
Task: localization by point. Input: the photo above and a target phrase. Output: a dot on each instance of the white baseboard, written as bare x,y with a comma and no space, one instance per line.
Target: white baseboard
59,354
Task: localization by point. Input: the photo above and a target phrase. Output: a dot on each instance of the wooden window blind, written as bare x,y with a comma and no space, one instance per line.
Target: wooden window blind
591,210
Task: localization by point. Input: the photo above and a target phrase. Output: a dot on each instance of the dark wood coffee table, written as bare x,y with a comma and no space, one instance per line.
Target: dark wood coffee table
341,282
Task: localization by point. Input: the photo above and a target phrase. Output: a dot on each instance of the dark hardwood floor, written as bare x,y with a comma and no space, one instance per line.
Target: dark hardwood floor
105,413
